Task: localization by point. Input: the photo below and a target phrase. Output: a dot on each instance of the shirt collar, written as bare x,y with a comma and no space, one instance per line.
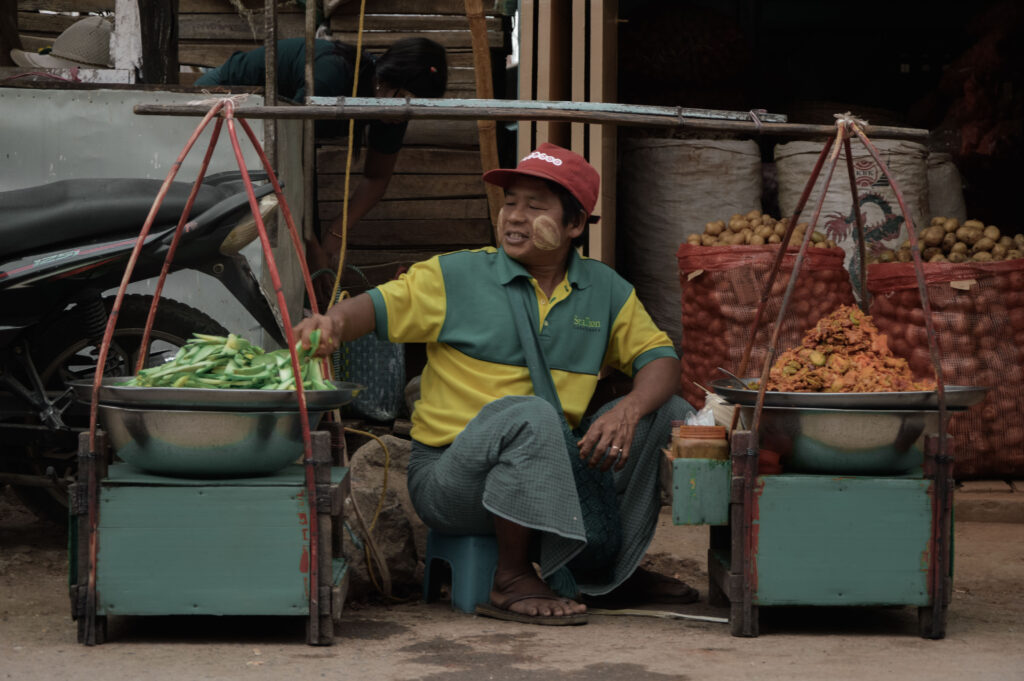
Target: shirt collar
509,269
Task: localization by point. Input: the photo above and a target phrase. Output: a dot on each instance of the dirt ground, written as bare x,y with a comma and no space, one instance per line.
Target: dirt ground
430,642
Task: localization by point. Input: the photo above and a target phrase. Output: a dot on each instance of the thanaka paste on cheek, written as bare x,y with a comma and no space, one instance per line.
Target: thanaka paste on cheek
499,227
546,235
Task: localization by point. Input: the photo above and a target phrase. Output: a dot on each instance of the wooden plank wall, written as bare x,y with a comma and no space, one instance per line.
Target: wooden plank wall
568,51
436,200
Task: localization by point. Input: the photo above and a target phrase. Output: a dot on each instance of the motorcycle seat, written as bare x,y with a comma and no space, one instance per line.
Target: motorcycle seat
45,217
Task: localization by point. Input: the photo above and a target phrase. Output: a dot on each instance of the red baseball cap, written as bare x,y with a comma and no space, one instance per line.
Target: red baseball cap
552,162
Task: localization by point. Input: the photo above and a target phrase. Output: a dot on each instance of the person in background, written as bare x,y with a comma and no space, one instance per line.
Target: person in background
411,67
492,450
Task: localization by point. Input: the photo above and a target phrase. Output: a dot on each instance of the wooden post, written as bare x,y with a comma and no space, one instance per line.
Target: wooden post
743,614
270,99
309,167
932,618
92,468
158,20
321,623
9,39
484,90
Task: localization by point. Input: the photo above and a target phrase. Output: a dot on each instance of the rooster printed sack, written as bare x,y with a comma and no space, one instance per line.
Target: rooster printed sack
884,224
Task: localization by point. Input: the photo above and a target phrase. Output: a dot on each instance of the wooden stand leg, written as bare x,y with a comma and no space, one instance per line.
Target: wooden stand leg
321,625
938,466
718,540
743,614
92,468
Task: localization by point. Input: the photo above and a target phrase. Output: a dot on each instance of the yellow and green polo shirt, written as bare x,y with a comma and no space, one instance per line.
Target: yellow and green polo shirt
456,304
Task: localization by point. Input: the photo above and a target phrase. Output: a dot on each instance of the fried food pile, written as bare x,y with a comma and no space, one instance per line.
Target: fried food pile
843,353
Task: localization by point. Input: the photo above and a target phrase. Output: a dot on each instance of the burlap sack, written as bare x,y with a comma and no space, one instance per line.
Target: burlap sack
884,223
945,188
669,188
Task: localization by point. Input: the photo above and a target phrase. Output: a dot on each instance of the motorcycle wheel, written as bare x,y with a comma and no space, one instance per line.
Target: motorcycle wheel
65,352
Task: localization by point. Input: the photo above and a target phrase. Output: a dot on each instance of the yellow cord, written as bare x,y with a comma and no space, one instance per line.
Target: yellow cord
348,160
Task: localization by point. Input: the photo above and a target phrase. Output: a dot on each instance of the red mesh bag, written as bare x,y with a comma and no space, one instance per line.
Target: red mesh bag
721,289
978,315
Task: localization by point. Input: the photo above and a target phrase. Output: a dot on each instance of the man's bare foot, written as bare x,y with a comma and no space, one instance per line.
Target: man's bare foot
541,600
524,597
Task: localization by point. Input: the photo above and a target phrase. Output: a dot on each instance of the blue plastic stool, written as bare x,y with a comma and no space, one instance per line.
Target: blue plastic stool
472,558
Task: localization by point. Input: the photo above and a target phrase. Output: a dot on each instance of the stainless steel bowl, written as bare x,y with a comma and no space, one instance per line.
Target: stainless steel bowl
205,444
845,441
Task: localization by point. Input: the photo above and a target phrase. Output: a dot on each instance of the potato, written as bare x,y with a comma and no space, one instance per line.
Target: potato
938,257
755,222
974,224
983,244
764,231
961,233
747,233
973,236
756,240
714,228
753,214
992,232
950,225
693,239
830,243
817,237
888,255
775,239
948,239
780,228
737,225
959,247
937,220
819,244
981,256
930,252
1018,239
999,252
957,256
933,236
1006,242
708,240
1014,254
905,244
903,255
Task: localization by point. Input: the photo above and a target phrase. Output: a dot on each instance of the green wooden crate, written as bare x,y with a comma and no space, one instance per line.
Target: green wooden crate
172,546
830,540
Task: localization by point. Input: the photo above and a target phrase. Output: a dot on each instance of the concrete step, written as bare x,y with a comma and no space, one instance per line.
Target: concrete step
992,501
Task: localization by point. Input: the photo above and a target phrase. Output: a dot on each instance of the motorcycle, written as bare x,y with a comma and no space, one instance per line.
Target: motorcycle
63,251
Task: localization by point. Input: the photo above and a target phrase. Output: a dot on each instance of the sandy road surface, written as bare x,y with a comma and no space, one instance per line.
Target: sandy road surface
430,642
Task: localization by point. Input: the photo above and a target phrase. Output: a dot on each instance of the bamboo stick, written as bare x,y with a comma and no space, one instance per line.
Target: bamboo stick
484,90
516,110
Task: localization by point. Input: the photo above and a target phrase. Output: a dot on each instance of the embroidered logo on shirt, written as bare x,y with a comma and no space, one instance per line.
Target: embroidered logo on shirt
585,323
543,157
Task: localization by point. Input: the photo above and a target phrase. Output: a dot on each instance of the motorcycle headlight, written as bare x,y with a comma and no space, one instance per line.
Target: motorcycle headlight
246,230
